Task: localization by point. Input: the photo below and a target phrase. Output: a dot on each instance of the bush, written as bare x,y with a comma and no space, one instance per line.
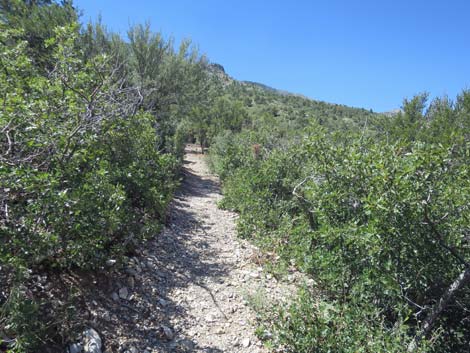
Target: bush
311,325
82,178
381,226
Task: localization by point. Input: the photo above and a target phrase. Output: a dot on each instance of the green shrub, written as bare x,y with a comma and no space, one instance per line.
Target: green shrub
311,325
82,177
382,224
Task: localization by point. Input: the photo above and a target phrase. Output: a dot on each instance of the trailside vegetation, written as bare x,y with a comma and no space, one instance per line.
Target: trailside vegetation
90,151
377,216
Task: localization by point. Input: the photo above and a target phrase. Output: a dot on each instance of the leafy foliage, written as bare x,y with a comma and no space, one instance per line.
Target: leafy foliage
379,219
90,151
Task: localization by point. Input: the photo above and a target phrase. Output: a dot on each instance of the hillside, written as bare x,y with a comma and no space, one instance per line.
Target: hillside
149,202
260,99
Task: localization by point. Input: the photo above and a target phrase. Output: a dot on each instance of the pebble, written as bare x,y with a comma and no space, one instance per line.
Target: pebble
163,302
110,262
75,348
91,341
131,271
115,296
123,293
187,345
166,333
246,342
131,282
106,316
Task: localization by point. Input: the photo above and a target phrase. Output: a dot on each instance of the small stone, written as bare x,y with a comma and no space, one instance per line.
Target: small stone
246,342
187,345
160,274
123,293
132,350
131,282
163,302
311,282
91,341
115,296
166,333
106,316
131,271
110,262
75,348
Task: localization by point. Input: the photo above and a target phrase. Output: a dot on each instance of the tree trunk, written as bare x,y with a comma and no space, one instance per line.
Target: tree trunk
462,280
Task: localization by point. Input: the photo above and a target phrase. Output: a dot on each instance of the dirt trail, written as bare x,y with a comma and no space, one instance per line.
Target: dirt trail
187,290
213,271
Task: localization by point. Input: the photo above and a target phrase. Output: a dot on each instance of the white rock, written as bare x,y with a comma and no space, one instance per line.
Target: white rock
246,342
91,341
75,348
110,262
123,293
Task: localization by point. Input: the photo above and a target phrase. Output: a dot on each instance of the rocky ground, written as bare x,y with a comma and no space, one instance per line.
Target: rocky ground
187,290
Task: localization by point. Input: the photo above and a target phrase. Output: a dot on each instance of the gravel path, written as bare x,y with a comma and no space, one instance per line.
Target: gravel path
187,289
212,271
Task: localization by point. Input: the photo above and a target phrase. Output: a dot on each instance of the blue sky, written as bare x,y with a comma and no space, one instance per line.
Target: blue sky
367,53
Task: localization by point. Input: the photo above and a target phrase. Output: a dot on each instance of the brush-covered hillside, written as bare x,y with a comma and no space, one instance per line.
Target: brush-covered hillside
374,209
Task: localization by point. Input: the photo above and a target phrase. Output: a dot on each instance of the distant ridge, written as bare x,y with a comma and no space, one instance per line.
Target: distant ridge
392,113
219,71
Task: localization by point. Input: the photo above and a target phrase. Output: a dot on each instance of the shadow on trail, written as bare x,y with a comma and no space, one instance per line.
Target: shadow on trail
181,257
196,186
175,260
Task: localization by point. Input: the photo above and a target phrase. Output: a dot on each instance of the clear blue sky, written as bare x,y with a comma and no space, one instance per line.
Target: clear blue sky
361,53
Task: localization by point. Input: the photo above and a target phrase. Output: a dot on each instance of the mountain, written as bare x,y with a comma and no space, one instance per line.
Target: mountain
392,113
262,100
